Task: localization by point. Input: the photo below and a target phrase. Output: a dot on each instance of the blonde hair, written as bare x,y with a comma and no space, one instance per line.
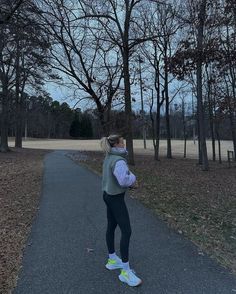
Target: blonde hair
108,142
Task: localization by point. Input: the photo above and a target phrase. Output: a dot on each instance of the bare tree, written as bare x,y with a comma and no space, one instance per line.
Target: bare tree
200,44
164,26
81,54
168,28
209,91
153,56
121,23
190,58
227,63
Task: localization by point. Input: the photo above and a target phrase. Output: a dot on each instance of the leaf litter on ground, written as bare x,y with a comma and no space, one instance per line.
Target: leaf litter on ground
20,185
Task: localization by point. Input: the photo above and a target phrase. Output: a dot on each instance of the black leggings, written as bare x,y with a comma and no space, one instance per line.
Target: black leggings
117,214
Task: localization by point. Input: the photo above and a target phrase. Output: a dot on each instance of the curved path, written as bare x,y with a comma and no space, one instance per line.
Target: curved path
66,252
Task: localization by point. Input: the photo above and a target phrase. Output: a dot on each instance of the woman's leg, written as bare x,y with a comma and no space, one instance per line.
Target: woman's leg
120,213
111,226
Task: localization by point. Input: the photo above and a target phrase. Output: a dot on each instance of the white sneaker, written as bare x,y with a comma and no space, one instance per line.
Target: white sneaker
129,277
113,264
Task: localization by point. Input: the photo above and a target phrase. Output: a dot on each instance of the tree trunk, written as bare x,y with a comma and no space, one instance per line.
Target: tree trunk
108,116
217,129
102,119
212,128
18,138
104,116
202,137
202,17
212,138
4,117
158,117
153,126
199,141
184,129
233,131
4,103
230,102
159,103
210,111
168,133
213,142
232,114
128,108
166,88
231,117
19,124
142,108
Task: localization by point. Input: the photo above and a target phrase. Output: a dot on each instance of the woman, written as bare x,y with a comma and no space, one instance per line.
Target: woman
116,179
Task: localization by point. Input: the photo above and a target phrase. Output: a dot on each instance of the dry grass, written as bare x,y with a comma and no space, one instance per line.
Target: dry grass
93,145
200,205
20,186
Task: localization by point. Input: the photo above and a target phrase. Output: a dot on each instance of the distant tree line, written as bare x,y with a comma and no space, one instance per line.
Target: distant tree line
45,118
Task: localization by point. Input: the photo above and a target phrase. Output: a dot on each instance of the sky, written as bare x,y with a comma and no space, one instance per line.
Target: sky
62,94
58,93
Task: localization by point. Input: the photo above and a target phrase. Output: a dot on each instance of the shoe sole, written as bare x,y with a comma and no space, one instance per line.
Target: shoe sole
112,268
124,281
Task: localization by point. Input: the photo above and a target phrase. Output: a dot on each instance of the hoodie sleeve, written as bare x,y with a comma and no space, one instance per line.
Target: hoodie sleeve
124,177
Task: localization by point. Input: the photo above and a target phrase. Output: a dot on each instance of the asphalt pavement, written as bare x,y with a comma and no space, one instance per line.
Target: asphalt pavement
66,250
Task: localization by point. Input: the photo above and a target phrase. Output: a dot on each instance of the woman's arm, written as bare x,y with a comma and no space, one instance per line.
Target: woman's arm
124,177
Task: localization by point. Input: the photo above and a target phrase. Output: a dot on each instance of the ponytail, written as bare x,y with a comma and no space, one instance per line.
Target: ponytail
108,142
105,145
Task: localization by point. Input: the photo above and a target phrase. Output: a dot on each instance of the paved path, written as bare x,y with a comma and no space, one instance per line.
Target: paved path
72,218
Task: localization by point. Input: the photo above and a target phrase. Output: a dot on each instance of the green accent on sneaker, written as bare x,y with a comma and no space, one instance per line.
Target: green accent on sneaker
112,261
124,274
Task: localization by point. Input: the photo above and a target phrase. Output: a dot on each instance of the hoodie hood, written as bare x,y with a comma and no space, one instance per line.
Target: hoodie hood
119,151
